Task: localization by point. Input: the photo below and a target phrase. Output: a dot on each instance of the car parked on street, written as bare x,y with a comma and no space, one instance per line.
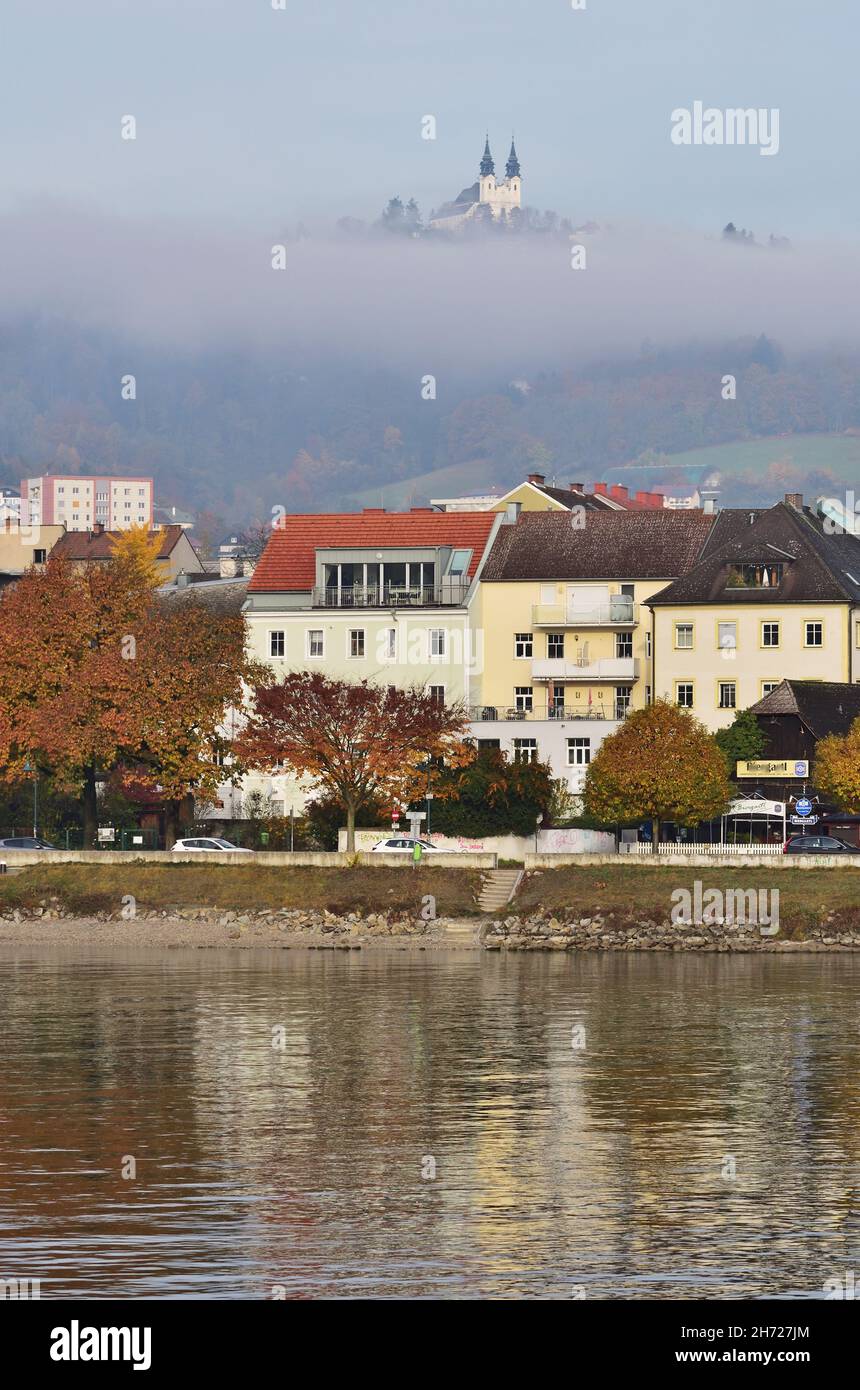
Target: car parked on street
405,844
209,844
25,842
817,844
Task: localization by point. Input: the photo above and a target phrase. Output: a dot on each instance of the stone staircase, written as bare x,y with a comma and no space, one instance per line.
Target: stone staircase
499,887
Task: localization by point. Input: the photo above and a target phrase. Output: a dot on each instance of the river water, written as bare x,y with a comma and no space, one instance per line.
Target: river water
215,1124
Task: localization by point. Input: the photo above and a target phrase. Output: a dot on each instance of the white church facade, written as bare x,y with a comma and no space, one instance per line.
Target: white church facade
488,197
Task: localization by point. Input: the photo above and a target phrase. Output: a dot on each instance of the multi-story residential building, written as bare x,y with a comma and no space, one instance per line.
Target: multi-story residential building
566,634
378,596
79,502
772,597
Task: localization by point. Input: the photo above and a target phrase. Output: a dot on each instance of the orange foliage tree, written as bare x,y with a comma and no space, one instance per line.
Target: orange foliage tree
836,771
355,741
96,672
661,764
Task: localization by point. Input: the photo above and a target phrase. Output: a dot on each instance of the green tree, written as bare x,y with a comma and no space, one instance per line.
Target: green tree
742,741
491,796
660,765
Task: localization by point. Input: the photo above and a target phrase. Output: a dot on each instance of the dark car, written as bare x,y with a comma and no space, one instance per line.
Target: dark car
818,844
25,842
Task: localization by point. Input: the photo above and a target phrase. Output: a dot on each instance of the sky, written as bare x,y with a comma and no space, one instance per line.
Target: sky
251,115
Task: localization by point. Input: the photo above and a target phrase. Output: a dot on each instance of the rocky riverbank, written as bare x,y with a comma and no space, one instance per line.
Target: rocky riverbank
542,932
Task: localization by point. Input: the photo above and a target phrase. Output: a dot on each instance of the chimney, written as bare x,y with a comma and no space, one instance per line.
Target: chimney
619,493
98,529
600,489
182,580
577,487
537,478
794,499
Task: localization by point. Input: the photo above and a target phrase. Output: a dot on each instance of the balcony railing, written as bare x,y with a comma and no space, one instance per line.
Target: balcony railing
605,668
449,593
504,714
620,611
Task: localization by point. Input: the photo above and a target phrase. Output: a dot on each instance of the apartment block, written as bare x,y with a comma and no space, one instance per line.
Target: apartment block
79,502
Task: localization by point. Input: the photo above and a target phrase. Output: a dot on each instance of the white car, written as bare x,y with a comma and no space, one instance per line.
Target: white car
405,844
210,845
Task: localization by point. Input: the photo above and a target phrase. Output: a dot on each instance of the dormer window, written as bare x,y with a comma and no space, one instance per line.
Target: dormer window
763,575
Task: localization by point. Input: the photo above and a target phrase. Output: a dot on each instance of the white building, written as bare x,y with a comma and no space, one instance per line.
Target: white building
488,196
79,501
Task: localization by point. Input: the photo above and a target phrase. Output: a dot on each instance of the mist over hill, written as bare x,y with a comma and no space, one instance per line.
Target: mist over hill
307,387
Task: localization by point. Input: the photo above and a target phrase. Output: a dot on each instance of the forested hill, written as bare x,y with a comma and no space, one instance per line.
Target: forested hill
237,434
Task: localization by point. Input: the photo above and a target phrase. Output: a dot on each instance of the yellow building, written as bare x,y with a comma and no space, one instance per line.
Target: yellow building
566,632
773,597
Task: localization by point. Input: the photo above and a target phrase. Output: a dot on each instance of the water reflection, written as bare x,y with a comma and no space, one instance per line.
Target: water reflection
604,1169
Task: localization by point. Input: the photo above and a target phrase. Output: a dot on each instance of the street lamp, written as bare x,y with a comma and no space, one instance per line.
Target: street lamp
31,767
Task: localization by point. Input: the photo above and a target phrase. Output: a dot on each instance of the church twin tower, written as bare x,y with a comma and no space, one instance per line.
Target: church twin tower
498,196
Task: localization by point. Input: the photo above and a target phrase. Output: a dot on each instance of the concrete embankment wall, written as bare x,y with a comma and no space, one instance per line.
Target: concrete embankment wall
696,861
22,858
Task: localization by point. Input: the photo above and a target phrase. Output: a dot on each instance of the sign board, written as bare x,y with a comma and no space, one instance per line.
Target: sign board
757,806
803,806
774,767
803,820
106,834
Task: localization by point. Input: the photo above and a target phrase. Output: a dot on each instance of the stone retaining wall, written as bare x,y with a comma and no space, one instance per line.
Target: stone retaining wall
542,932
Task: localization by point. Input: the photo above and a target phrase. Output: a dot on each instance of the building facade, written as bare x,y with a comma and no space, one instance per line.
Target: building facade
79,502
489,196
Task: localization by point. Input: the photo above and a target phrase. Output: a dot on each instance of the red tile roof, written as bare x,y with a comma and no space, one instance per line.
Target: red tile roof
288,563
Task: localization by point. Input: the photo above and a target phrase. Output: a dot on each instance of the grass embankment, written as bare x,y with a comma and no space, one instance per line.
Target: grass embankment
84,889
807,897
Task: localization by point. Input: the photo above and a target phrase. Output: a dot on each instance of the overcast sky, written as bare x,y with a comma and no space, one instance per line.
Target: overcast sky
250,114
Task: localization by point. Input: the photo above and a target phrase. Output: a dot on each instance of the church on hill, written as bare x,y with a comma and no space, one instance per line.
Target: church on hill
487,198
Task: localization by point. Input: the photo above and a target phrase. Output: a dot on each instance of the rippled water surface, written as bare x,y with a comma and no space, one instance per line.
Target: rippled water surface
561,1169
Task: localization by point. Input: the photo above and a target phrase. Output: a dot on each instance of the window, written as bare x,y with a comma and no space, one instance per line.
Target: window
768,686
316,642
622,701
459,563
647,694
813,634
555,643
770,634
485,743
624,644
390,640
356,641
648,644
437,694
39,557
437,641
523,697
727,696
523,644
277,644
578,752
684,636
556,708
684,694
755,576
727,636
525,750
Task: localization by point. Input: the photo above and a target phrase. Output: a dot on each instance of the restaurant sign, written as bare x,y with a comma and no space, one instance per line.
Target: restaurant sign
775,767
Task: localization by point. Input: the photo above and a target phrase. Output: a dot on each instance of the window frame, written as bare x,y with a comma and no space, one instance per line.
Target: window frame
692,701
310,633
686,646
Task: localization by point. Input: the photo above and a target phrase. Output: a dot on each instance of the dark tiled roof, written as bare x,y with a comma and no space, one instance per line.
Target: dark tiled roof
226,596
816,567
87,545
592,502
611,545
825,707
288,563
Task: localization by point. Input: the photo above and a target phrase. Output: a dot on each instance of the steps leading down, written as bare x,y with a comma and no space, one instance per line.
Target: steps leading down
500,885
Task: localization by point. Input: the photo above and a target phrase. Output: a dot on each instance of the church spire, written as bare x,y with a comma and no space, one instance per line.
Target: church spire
512,168
487,165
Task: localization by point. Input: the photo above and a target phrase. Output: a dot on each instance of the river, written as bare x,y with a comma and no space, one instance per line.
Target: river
215,1124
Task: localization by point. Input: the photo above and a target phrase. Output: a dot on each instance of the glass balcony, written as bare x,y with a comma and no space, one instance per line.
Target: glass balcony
449,593
620,611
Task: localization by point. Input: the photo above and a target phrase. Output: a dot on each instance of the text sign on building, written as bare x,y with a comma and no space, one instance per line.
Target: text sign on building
777,767
756,805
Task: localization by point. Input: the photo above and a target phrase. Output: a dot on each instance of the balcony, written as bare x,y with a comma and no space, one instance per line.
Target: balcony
450,593
610,668
501,714
620,612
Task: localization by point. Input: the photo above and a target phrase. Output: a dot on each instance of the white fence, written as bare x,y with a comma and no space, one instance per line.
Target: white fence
705,847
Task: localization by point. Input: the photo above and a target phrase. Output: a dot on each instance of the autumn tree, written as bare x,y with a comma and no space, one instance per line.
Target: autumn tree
97,672
139,549
661,764
355,741
836,769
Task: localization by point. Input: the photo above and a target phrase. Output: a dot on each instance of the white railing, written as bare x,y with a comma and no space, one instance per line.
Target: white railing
706,847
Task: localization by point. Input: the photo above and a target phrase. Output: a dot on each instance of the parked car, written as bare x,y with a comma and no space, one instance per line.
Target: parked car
26,842
818,844
209,844
405,844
